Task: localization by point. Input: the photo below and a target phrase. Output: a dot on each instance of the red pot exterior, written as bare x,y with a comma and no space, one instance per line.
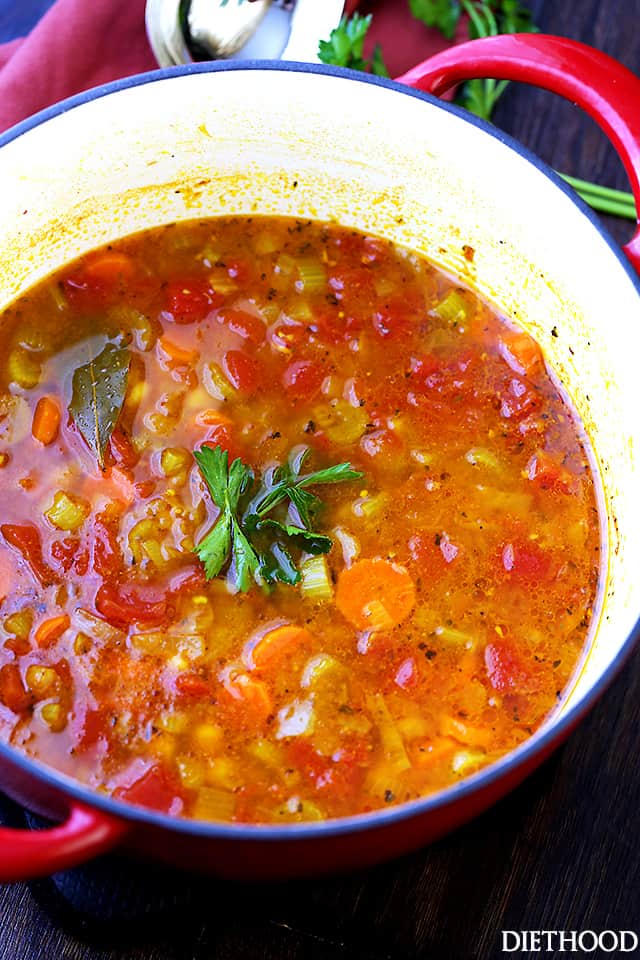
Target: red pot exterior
611,94
89,832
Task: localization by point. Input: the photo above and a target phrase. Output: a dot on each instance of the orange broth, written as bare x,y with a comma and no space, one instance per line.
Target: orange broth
436,635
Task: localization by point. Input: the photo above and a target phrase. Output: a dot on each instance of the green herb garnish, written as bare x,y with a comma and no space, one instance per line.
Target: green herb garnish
259,523
345,45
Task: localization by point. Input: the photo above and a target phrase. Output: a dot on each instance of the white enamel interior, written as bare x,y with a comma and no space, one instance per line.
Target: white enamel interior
322,146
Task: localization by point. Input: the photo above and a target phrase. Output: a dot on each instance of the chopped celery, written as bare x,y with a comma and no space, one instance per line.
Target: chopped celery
266,753
191,772
173,721
454,308
451,635
506,501
318,668
208,737
313,276
369,507
390,737
342,422
213,804
58,296
215,382
222,283
66,512
481,457
316,581
23,369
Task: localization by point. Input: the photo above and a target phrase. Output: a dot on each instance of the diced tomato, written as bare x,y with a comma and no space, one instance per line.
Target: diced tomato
238,270
302,379
156,789
107,558
547,474
504,666
187,579
221,435
526,562
64,551
241,371
244,324
352,285
123,605
521,353
193,685
13,693
93,727
517,399
122,449
25,538
334,326
191,299
395,320
340,774
433,553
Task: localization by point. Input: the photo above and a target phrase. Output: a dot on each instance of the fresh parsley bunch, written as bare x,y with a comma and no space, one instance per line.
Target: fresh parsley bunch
260,522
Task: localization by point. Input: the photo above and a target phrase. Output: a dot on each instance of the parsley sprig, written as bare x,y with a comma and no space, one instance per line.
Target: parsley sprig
260,522
345,44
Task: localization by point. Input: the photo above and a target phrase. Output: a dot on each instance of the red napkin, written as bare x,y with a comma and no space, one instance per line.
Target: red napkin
75,46
78,45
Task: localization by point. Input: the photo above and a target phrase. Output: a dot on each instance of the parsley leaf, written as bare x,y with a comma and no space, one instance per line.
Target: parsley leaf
345,46
259,522
443,14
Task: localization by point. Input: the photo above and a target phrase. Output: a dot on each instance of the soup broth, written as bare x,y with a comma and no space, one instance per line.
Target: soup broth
375,576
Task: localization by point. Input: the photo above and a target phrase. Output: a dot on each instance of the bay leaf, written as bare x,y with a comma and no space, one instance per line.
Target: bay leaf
98,392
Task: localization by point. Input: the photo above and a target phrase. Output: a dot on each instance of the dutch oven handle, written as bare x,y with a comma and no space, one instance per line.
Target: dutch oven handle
594,81
86,833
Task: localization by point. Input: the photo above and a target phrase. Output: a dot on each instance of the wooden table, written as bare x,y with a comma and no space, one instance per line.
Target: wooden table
561,853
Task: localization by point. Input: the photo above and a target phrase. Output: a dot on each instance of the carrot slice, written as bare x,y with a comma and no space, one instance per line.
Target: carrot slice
275,645
46,421
375,594
51,630
13,693
109,268
250,694
176,354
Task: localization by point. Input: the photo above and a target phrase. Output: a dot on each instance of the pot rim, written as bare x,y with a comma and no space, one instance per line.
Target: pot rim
541,742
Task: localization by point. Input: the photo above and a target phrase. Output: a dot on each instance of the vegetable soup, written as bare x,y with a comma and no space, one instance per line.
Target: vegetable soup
294,525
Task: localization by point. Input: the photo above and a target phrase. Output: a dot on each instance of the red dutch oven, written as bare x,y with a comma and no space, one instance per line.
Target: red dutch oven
388,158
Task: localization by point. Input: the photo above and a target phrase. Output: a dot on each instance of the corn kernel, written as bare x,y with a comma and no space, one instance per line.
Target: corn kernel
174,460
19,624
54,716
42,681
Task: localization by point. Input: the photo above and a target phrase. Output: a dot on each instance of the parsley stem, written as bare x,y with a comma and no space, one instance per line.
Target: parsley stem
605,199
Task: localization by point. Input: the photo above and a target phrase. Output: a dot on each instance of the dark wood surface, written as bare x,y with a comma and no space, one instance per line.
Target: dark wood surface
560,853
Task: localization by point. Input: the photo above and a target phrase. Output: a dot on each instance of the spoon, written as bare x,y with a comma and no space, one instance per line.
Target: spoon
181,31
